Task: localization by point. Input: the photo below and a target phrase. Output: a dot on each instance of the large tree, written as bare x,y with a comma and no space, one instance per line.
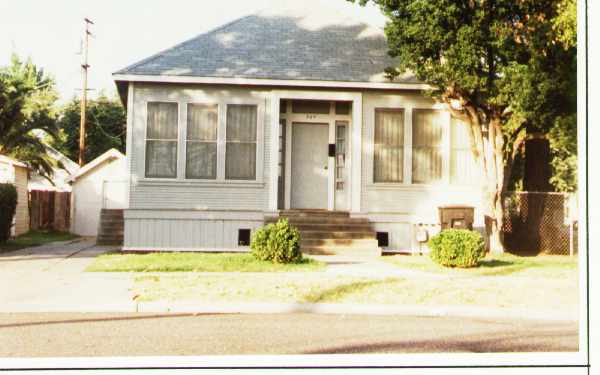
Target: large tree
500,65
27,97
105,128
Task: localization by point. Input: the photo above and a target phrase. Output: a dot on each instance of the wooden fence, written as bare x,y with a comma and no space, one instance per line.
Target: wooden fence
49,210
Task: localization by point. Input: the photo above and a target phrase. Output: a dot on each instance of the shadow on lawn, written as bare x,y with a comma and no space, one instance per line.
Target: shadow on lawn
338,292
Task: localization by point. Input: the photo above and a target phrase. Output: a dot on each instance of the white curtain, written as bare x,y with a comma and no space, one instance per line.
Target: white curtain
240,152
463,167
389,146
161,140
201,143
427,146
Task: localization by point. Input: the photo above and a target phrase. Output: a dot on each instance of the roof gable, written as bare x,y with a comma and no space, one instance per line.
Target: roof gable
277,47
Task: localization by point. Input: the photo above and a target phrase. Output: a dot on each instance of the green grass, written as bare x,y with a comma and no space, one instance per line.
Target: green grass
194,262
35,238
547,266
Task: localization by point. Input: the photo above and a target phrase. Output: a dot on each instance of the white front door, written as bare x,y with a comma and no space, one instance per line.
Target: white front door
309,165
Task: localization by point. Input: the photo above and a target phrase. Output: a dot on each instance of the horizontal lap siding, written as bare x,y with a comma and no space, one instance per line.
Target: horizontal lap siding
185,195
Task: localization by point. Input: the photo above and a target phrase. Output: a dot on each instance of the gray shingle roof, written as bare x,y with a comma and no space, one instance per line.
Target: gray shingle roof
276,47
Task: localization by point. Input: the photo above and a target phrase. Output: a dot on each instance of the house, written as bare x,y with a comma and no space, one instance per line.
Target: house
270,115
101,183
17,173
59,181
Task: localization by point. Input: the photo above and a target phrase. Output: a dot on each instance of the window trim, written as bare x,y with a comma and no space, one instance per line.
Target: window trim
185,141
259,135
222,104
444,147
395,109
177,161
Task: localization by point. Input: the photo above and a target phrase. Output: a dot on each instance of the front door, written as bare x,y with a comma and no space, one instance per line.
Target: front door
309,165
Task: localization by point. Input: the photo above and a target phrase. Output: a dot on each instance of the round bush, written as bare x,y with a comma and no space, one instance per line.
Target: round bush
457,248
278,243
8,205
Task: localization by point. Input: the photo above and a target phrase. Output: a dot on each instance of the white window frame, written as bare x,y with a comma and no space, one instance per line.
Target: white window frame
222,104
185,141
404,145
178,161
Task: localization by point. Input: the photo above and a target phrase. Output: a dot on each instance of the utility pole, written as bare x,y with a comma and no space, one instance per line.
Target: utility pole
85,68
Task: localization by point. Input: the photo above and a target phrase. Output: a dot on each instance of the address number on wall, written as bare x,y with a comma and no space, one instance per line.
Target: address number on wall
310,116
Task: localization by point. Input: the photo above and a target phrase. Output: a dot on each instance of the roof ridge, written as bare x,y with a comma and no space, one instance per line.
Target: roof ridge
160,53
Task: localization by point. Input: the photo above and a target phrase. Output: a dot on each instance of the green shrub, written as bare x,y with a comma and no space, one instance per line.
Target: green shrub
278,243
8,205
457,248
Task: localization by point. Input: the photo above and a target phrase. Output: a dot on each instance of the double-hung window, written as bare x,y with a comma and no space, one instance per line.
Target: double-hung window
389,145
201,142
240,150
427,146
161,140
463,167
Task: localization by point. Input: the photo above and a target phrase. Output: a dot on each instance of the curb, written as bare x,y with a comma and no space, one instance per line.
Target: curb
339,308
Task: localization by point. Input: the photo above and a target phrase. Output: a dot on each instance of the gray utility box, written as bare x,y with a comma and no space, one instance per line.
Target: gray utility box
457,217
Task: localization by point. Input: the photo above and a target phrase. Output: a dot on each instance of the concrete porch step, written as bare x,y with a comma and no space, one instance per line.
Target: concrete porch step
312,213
325,227
337,234
320,220
339,242
340,250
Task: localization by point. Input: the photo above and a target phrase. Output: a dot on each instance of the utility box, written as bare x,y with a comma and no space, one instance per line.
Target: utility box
456,217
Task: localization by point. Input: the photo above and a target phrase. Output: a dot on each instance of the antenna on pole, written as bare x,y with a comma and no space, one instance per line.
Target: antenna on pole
85,66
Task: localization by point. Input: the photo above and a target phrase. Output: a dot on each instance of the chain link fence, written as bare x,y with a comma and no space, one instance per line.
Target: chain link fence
540,222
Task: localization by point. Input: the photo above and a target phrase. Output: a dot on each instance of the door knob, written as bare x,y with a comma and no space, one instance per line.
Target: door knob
325,167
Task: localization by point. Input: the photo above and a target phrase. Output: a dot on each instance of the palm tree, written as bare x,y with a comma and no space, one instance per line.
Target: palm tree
27,114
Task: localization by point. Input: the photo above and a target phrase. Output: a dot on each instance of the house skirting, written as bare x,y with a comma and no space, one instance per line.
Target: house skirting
171,230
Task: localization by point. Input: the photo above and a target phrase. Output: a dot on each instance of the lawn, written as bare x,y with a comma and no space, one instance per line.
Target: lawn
321,287
194,262
545,266
545,282
35,238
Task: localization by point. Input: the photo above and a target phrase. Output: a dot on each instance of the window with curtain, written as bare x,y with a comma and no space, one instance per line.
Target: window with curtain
463,167
161,140
389,145
201,142
240,151
427,146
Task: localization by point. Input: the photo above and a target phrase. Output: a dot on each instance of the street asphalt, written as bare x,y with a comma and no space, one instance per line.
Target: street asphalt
137,334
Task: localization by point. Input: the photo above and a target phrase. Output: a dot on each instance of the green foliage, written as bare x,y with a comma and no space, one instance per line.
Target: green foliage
8,205
563,146
279,243
27,98
457,248
105,128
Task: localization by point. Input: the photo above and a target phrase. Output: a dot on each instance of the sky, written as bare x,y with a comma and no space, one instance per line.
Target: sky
126,31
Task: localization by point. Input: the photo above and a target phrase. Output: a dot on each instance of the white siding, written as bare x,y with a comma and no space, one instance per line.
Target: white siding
19,176
188,194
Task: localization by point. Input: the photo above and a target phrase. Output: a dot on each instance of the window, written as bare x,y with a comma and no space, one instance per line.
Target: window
340,153
463,168
240,151
161,140
311,106
201,142
427,146
389,145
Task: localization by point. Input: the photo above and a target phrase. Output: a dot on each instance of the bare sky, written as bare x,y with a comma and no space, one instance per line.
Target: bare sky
125,31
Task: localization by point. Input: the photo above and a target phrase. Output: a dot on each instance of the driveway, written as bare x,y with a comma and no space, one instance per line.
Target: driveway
52,278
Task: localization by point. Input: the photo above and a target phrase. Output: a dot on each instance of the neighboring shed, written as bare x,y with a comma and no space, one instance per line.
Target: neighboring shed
15,172
102,183
65,168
